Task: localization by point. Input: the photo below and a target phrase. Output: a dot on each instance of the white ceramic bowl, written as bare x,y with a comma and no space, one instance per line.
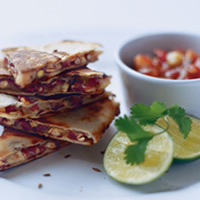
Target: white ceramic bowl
145,89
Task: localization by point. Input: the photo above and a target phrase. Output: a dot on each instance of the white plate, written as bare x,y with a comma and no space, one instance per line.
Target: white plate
74,177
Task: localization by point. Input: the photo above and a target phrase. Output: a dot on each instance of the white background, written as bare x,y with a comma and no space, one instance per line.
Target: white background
56,16
108,22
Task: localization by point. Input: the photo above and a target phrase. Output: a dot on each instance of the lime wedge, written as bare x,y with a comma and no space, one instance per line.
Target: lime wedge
158,158
187,149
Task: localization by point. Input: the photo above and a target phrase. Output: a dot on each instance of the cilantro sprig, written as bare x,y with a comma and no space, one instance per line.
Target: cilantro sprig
142,115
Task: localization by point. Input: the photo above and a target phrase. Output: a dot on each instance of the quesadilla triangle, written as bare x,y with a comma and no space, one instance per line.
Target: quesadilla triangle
34,107
17,147
83,81
27,64
84,125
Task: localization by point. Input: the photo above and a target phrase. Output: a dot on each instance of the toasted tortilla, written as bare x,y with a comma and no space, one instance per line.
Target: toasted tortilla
82,80
15,107
17,147
27,64
84,125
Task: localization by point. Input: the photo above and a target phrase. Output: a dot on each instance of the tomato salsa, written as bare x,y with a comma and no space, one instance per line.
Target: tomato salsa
174,64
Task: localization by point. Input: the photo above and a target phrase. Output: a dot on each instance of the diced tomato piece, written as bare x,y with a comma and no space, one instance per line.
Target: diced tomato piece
157,62
142,61
193,72
149,71
161,54
190,56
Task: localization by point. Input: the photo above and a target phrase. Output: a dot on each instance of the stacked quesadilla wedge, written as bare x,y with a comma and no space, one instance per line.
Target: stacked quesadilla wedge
84,125
27,64
82,81
17,147
35,107
49,91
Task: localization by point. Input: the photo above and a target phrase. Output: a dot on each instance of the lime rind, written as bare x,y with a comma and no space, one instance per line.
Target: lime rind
185,160
185,149
158,159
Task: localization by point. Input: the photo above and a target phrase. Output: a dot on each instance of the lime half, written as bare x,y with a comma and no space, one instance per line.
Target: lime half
187,149
158,158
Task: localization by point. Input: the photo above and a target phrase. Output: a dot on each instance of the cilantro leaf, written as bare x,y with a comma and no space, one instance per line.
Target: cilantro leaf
135,154
148,115
178,115
130,126
159,108
143,115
